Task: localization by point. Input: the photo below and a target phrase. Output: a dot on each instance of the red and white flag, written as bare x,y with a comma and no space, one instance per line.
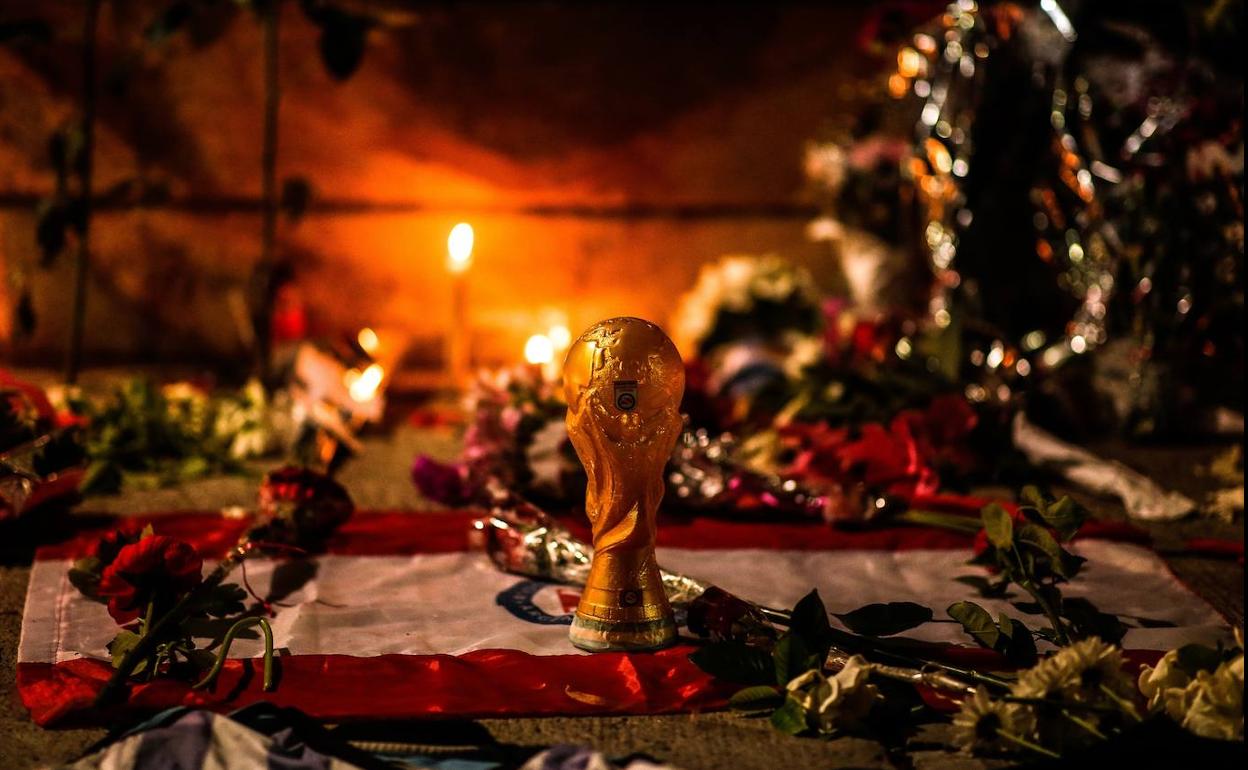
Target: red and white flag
401,619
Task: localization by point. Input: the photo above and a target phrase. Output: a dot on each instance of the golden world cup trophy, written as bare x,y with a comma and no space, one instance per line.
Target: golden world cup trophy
623,380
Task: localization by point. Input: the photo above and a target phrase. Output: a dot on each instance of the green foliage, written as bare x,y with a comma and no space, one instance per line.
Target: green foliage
792,657
1004,635
121,644
140,438
789,719
886,619
998,525
977,622
1025,550
757,697
735,662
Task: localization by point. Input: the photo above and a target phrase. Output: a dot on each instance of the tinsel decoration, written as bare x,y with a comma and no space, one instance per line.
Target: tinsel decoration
1092,149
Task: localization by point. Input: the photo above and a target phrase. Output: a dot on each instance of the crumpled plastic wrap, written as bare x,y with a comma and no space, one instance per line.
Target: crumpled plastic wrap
1140,495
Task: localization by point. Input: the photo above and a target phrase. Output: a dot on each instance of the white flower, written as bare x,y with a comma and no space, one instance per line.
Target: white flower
545,455
735,283
804,351
840,701
1163,685
1087,671
1214,702
980,722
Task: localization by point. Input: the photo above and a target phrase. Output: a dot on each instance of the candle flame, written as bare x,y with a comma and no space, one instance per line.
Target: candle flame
459,247
362,386
368,340
539,349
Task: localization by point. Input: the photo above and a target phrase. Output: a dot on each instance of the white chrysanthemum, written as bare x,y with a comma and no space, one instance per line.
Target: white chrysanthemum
980,722
1079,672
1214,702
1164,684
840,701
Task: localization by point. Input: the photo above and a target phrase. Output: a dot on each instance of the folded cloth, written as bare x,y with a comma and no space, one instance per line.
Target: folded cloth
189,740
584,758
1141,496
401,620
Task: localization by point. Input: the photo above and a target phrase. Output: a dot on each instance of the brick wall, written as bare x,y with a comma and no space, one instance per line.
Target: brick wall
602,152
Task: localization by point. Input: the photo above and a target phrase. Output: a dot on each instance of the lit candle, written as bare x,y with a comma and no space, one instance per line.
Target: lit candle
459,252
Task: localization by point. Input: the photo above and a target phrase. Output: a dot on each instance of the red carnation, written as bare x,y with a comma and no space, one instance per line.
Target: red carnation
110,545
300,507
155,566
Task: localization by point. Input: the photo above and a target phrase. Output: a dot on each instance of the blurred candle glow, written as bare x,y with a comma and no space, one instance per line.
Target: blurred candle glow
368,340
362,386
459,247
539,350
560,336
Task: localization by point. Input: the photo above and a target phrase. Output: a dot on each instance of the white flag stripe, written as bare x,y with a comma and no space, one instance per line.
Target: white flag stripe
450,603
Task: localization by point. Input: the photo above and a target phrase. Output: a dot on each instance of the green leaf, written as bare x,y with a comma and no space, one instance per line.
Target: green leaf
1032,496
886,619
1064,516
122,643
85,576
792,658
343,37
790,718
735,662
809,620
1020,646
977,622
998,525
1005,625
1040,543
757,697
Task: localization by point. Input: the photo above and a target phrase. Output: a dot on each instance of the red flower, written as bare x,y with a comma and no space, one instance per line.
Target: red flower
110,545
300,507
155,566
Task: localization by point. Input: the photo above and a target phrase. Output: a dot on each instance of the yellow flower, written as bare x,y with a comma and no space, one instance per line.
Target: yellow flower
980,722
1215,702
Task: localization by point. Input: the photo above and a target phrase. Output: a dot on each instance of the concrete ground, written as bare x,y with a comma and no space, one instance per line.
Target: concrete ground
378,479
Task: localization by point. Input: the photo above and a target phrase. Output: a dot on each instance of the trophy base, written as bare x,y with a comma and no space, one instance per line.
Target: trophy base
600,636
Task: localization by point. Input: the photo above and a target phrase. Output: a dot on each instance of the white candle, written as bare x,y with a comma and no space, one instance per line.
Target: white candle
459,259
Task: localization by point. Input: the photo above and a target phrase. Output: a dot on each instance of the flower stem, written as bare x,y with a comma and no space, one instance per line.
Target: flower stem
1085,724
1019,740
176,614
1122,702
235,629
1063,639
